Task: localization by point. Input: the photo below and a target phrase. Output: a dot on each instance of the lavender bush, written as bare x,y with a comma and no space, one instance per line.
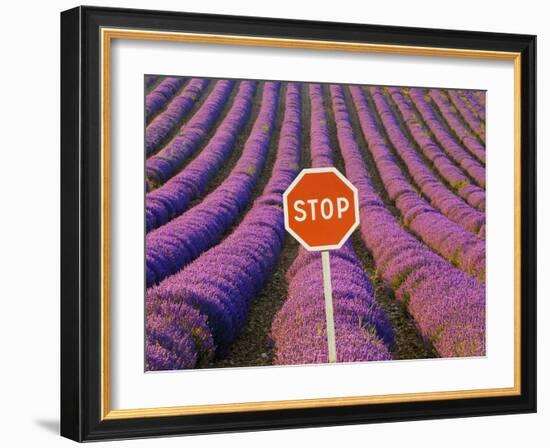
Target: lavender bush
172,246
163,124
471,193
447,304
451,240
172,198
447,141
164,164
451,116
220,284
161,94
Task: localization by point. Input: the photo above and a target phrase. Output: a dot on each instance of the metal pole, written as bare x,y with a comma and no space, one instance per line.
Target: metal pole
329,311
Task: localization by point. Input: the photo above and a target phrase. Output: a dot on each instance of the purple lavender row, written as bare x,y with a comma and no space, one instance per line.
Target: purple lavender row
363,332
447,304
172,246
150,80
450,115
451,240
466,161
176,335
299,328
214,292
161,94
164,164
173,198
474,195
473,102
479,96
440,197
469,117
163,124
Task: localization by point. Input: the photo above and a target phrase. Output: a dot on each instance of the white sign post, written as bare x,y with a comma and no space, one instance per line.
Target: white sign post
329,310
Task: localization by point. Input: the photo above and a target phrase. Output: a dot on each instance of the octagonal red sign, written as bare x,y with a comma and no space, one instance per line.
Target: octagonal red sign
321,208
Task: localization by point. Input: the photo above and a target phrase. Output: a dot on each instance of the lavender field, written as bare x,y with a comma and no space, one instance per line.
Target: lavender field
228,287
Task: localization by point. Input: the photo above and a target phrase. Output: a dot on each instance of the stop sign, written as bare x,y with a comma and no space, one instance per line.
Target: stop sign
321,209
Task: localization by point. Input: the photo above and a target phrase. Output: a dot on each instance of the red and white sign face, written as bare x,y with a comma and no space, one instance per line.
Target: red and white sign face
321,209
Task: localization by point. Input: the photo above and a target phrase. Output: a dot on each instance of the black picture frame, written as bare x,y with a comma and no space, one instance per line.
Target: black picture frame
81,224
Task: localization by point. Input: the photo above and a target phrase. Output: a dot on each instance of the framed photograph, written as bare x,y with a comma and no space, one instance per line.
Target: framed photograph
276,224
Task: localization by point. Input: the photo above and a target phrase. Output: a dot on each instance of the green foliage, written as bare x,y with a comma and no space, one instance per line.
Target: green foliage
250,170
460,185
153,183
370,332
399,279
199,335
455,259
436,335
406,300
